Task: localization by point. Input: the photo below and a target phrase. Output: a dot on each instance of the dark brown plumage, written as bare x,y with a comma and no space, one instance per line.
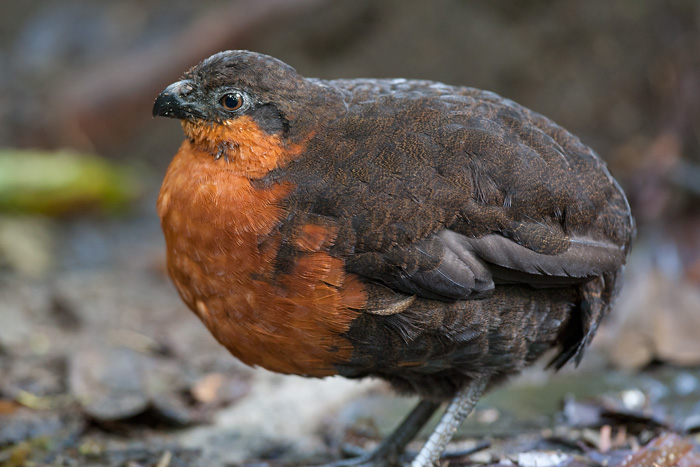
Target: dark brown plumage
438,237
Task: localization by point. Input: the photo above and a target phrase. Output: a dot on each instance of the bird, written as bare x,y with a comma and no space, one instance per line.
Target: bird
441,238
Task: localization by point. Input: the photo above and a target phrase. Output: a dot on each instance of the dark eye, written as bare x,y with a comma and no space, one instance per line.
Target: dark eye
232,101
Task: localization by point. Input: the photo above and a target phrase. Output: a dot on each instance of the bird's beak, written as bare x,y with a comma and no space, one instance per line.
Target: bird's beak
176,101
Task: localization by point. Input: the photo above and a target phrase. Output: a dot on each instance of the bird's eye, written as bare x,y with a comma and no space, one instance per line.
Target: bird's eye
232,101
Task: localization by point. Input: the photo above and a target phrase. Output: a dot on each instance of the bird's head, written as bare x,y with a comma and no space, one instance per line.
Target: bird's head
238,105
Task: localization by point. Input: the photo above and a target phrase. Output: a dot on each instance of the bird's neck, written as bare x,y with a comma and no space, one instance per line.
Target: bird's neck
240,146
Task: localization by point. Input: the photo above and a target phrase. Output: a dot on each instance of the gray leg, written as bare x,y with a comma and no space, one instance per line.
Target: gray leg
391,448
458,409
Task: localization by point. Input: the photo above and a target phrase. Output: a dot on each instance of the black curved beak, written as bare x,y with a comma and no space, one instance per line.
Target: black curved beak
177,101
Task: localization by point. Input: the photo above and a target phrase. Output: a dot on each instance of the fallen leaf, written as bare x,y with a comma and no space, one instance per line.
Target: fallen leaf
7,407
658,320
109,383
666,450
56,183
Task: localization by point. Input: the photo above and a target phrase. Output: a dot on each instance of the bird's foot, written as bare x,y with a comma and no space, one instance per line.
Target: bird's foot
388,453
391,449
457,410
369,459
358,457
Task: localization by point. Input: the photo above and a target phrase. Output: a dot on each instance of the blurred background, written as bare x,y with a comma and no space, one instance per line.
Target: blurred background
101,364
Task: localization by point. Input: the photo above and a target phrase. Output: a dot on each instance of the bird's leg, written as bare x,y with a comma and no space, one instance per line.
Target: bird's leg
389,450
461,405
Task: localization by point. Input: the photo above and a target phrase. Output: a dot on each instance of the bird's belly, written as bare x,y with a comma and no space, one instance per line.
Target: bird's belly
434,348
